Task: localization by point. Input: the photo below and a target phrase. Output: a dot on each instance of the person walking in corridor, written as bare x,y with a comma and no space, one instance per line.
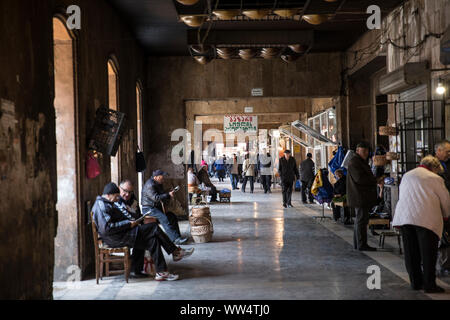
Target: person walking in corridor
287,167
361,194
307,175
265,164
249,173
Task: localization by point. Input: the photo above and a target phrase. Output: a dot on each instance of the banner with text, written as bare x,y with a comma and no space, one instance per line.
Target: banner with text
240,124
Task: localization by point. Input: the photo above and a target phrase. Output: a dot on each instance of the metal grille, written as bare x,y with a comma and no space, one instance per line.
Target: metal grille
420,125
108,130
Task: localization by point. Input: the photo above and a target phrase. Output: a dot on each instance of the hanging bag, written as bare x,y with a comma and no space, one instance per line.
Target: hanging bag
92,166
140,161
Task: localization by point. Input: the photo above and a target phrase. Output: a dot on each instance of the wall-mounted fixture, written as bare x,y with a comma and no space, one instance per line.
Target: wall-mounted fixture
286,13
440,89
226,14
256,13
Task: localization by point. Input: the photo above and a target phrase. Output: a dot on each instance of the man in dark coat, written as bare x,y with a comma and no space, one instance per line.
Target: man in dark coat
307,175
117,230
203,177
361,194
287,167
153,198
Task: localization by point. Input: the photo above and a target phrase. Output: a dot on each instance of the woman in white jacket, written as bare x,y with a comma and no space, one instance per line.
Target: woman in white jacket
248,169
423,204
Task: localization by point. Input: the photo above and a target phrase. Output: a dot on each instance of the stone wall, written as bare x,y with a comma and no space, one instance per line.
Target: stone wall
27,129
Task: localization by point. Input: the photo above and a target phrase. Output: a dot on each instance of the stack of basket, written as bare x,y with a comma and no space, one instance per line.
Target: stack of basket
201,224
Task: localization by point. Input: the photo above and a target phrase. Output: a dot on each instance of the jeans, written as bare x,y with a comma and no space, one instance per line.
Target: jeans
234,181
150,237
252,183
169,222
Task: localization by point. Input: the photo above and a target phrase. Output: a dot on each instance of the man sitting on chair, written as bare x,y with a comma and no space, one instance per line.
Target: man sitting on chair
153,199
116,231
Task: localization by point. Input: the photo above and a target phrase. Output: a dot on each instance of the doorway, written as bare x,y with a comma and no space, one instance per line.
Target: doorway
113,101
67,238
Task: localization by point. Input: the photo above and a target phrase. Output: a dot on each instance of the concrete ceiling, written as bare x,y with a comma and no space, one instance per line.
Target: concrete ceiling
157,26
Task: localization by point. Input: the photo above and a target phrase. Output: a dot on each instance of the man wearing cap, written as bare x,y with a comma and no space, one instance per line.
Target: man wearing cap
287,167
117,230
361,194
153,197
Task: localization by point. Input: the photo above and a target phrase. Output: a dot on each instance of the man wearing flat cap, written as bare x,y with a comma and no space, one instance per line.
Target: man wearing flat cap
287,167
153,198
118,230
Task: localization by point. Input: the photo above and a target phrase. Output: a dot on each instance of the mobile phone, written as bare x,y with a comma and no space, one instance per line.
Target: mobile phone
176,188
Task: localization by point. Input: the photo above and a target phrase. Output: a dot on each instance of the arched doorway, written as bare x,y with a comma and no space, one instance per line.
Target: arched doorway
67,239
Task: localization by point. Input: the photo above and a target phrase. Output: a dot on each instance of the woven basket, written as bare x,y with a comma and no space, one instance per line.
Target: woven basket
388,131
202,234
392,156
379,160
198,212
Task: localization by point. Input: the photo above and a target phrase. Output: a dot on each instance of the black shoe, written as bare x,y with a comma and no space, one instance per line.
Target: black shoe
270,191
237,188
436,289
367,248
284,206
138,275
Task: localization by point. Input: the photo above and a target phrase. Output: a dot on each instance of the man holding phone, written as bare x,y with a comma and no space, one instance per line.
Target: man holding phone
153,197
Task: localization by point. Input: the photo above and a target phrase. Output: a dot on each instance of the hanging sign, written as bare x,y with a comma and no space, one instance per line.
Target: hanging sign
240,124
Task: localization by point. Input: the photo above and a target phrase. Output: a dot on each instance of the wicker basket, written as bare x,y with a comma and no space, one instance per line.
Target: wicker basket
379,160
198,212
392,156
388,131
202,234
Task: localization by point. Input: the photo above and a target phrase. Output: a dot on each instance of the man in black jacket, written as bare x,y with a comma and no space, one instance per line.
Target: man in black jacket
361,194
307,175
117,230
287,167
153,197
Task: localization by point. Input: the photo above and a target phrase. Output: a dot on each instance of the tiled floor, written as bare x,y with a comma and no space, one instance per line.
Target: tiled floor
262,251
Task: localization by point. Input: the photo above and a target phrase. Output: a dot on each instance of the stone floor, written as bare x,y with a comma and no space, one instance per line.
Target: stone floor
261,251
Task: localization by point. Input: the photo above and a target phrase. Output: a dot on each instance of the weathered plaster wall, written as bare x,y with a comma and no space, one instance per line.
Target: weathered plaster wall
27,133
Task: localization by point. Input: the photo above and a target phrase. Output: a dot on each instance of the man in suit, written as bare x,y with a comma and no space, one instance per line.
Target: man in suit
287,167
307,175
361,194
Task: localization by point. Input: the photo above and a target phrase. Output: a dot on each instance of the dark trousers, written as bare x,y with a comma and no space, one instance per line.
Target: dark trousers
169,222
266,181
360,228
252,183
421,248
137,260
286,189
150,237
213,193
306,190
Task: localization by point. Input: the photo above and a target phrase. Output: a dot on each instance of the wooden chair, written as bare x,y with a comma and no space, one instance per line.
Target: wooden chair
105,255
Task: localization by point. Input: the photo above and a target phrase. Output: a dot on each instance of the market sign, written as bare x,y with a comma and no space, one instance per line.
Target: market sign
240,124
